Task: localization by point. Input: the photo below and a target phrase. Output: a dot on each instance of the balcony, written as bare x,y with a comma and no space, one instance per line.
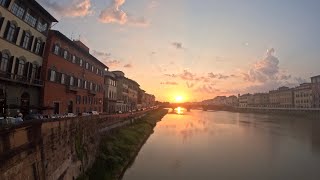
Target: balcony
20,79
72,89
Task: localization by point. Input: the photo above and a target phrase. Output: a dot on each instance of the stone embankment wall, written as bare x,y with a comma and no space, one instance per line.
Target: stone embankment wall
54,149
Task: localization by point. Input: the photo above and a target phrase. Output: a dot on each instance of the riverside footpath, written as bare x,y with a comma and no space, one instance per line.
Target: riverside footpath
59,148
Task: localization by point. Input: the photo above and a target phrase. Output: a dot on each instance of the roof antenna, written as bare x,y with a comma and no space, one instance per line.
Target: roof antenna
79,37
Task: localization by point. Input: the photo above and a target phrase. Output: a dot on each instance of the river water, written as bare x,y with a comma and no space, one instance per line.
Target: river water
225,145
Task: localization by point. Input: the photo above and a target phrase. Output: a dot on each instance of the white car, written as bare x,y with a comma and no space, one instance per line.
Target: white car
70,115
94,113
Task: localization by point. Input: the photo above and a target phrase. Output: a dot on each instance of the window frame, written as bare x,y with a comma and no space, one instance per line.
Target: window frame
6,62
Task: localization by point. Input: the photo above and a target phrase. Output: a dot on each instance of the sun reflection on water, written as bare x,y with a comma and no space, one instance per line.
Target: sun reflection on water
179,110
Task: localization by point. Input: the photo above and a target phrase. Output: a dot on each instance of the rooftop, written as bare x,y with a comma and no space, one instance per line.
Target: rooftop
38,8
75,45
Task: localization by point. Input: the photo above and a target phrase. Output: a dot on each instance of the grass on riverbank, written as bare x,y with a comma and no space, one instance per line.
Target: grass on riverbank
120,147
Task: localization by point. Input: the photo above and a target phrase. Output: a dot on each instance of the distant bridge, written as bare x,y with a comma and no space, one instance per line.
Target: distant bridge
198,106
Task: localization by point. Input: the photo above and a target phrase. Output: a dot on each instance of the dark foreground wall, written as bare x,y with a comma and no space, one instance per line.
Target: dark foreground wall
56,149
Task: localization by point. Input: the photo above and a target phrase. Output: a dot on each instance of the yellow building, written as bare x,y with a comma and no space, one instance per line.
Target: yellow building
24,27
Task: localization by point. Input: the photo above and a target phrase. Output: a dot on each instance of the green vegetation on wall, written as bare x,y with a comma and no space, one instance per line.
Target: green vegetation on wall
119,148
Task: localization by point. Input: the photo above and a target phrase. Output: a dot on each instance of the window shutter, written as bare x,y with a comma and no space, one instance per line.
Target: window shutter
42,48
75,82
53,47
30,70
49,74
16,66
7,29
30,43
58,77
10,64
16,33
22,38
1,22
26,69
67,80
39,71
61,51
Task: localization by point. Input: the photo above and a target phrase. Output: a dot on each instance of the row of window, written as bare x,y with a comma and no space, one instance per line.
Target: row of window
57,50
302,101
88,100
27,40
21,68
303,95
112,82
62,78
19,9
112,95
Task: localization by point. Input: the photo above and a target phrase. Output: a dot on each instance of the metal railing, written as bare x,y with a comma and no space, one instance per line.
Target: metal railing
20,79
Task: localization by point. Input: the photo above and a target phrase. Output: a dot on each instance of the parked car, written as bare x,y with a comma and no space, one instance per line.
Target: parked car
70,115
119,112
94,113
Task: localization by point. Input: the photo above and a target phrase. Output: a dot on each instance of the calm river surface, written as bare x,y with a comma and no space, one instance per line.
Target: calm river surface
226,145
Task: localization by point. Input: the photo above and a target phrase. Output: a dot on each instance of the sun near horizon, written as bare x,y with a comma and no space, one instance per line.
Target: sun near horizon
179,99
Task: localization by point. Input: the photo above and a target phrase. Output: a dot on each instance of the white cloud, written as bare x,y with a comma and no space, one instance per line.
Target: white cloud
74,8
264,70
114,14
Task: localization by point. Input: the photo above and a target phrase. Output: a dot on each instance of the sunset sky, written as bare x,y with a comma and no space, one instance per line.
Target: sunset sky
198,49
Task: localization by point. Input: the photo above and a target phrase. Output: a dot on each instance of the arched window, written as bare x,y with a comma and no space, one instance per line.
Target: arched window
26,40
65,54
4,62
81,62
53,75
79,83
63,78
56,49
11,32
38,46
21,66
73,59
71,80
34,71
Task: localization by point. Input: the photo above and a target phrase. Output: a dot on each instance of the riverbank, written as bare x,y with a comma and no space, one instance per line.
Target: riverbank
120,147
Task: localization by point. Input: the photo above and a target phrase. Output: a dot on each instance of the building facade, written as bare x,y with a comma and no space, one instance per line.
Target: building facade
244,100
110,92
303,96
315,83
24,27
149,100
74,78
141,99
261,100
281,98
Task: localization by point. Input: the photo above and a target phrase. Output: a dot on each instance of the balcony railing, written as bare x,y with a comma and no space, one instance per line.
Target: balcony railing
20,79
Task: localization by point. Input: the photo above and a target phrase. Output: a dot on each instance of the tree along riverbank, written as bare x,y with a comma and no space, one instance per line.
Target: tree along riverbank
119,148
